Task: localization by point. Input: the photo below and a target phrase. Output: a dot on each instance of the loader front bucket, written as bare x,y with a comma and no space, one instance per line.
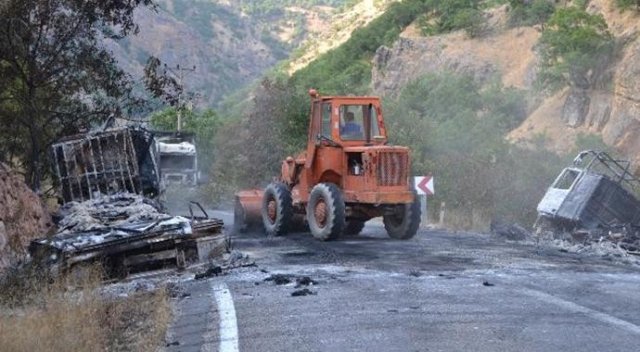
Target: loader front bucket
247,211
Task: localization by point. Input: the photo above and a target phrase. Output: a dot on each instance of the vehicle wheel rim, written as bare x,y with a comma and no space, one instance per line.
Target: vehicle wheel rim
320,213
272,211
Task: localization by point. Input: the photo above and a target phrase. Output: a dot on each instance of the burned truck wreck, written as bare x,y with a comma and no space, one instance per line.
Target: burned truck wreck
115,160
109,185
597,195
127,233
178,158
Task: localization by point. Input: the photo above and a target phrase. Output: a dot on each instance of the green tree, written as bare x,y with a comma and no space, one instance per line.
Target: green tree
56,76
525,13
456,14
574,47
250,151
627,4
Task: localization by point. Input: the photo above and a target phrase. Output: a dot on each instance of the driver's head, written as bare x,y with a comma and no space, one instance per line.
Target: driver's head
349,116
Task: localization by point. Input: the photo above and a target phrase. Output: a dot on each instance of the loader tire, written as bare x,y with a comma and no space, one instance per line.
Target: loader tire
326,212
277,209
403,223
353,228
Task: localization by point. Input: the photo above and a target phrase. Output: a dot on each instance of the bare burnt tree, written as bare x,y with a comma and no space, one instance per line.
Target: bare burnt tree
56,77
160,83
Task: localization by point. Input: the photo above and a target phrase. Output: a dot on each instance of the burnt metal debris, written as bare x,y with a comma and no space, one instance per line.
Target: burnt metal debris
594,199
115,160
109,183
126,233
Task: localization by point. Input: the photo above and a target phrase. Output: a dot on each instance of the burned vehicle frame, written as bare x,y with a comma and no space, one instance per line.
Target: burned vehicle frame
134,247
596,192
109,161
109,184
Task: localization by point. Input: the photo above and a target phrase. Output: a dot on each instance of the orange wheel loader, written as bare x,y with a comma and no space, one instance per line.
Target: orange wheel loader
347,175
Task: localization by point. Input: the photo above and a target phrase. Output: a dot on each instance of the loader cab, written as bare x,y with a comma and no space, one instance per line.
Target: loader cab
346,121
347,146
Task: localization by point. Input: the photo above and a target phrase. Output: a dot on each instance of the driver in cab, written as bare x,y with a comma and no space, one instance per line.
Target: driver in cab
351,128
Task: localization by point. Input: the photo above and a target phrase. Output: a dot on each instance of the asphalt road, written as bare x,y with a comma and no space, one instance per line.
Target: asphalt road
440,291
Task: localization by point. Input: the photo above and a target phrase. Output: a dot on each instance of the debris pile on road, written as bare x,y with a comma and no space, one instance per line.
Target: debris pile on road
305,281
511,232
127,231
303,292
289,279
280,279
225,262
23,217
211,271
621,242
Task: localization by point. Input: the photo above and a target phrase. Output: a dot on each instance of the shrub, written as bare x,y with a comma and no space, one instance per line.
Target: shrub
249,151
530,13
573,47
627,4
69,313
447,16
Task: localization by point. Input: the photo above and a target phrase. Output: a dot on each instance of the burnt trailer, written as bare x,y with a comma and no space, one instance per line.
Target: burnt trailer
115,160
597,191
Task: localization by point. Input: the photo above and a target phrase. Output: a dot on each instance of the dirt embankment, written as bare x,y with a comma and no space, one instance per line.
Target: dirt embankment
23,216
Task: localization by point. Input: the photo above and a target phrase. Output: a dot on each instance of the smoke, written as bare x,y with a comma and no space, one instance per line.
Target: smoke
250,150
456,129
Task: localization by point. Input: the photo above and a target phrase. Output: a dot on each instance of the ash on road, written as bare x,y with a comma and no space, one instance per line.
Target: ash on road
437,292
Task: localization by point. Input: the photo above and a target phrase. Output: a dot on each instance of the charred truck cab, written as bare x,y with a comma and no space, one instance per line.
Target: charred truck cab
347,175
178,158
596,192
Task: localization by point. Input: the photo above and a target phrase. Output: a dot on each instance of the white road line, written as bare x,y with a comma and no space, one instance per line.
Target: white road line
227,316
603,317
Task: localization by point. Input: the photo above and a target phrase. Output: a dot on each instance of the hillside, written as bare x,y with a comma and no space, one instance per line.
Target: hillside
608,109
230,43
342,25
507,54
